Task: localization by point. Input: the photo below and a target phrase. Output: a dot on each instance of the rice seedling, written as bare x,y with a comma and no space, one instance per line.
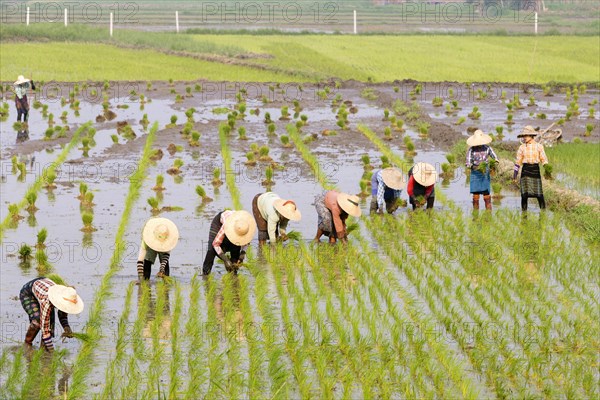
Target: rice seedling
548,171
22,171
195,139
497,190
460,121
541,116
387,133
88,200
87,218
509,120
31,198
366,161
268,176
591,112
475,114
176,168
48,134
385,162
285,141
25,253
251,158
437,101
202,194
173,122
15,164
159,187
242,133
363,188
588,129
216,181
114,138
263,153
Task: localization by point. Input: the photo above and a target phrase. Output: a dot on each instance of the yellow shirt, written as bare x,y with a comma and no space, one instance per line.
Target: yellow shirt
531,153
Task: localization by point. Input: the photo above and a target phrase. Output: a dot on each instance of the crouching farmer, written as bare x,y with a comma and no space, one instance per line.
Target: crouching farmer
39,297
159,237
230,232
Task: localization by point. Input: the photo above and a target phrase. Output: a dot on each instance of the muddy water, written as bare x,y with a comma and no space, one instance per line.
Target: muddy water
84,258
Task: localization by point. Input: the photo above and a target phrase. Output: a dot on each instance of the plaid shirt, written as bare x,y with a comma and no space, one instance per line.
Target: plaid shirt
221,234
479,154
531,153
40,291
381,191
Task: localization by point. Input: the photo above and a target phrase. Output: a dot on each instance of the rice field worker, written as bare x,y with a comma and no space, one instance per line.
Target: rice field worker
39,297
386,189
272,215
21,86
529,157
159,237
479,152
333,208
230,232
421,185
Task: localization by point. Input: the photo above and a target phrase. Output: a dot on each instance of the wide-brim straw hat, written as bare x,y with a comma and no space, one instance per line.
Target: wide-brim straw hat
160,234
425,174
349,203
21,79
240,227
65,298
478,138
287,208
528,131
393,178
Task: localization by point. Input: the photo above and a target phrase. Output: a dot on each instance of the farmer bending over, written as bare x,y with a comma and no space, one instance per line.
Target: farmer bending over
39,297
159,237
230,231
333,209
421,182
272,215
21,102
386,187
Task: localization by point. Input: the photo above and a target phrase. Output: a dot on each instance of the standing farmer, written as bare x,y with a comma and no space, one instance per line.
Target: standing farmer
420,187
159,237
230,231
529,156
21,102
386,187
272,215
39,297
333,209
479,152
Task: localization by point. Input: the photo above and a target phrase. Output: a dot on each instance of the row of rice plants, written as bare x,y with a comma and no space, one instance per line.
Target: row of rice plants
175,379
279,365
116,367
83,363
234,333
229,170
156,363
196,359
37,185
216,355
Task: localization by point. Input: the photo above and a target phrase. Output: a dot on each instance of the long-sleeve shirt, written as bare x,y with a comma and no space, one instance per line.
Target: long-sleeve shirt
40,291
339,221
479,154
269,213
382,192
21,90
221,234
531,153
414,188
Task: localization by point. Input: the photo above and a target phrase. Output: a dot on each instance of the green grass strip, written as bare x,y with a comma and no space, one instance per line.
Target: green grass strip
310,158
37,185
83,364
229,171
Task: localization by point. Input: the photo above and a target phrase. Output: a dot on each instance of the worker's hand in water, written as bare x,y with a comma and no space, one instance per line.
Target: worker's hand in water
160,274
228,264
68,333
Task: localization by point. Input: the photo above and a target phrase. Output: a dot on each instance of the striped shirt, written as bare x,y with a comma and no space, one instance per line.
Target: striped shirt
479,154
40,291
531,153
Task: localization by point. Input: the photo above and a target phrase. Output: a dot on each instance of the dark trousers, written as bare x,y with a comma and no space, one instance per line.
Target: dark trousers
227,247
541,201
148,269
22,108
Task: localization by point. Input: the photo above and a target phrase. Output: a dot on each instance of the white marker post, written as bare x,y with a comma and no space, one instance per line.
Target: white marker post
355,22
111,24
535,19
27,18
65,17
177,21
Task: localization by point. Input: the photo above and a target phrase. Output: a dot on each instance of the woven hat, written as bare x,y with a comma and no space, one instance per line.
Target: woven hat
349,203
393,178
240,227
478,138
425,174
288,209
21,79
65,298
160,234
528,131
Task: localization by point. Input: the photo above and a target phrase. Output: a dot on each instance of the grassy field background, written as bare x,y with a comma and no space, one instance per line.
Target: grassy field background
54,53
